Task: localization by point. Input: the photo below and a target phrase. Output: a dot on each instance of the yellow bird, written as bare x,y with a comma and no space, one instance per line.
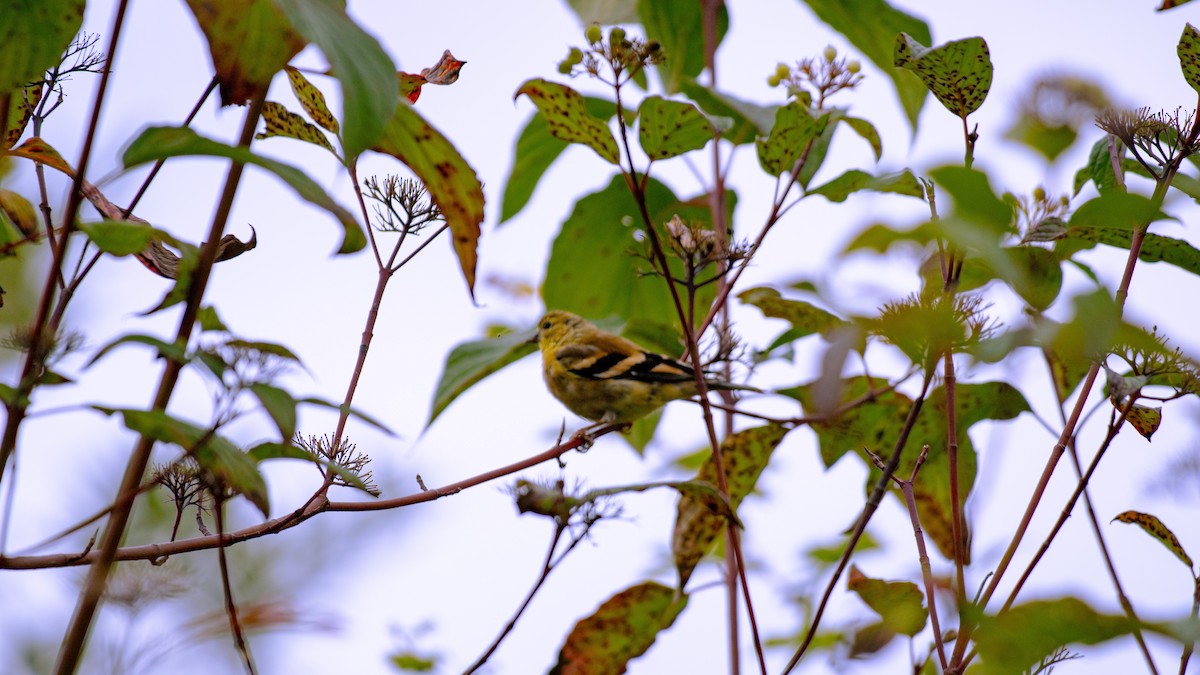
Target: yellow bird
606,378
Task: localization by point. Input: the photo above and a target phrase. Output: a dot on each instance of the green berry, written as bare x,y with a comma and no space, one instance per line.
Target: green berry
830,53
782,70
616,36
773,80
1039,193
575,56
593,34
564,67
853,67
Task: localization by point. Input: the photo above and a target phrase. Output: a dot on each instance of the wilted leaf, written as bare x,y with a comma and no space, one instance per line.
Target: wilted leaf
445,71
1145,419
39,151
620,630
22,103
568,119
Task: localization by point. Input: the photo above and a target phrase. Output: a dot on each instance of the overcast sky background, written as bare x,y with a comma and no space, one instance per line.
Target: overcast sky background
443,578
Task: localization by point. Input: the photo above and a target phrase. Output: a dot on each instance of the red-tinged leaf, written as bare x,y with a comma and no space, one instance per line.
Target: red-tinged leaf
445,71
33,36
568,119
410,85
1145,419
312,100
698,523
900,603
620,630
249,41
282,122
1155,528
40,151
451,182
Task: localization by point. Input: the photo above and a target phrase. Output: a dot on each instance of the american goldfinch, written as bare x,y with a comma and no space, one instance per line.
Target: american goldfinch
607,378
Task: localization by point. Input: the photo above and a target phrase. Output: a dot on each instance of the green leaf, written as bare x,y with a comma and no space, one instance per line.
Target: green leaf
900,603
157,143
1118,210
121,238
794,129
1038,274
249,42
1099,168
826,126
167,350
671,128
470,362
280,405
678,25
33,36
209,320
312,400
568,118
1155,528
1155,247
806,318
901,182
1189,55
264,451
750,120
620,630
214,453
973,198
871,26
451,182
604,11
591,271
535,152
958,73
867,131
1022,636
362,67
698,522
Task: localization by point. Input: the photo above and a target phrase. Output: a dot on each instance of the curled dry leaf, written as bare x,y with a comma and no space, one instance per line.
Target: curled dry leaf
165,263
445,71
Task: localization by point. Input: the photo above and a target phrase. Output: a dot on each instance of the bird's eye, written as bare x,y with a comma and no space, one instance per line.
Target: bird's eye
545,325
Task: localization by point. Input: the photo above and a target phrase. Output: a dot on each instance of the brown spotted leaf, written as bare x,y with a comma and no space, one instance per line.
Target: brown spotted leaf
312,100
1189,55
792,133
445,71
670,128
1145,419
39,150
899,603
33,36
451,182
620,630
566,115
958,73
698,523
410,85
20,109
282,122
249,41
1155,528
